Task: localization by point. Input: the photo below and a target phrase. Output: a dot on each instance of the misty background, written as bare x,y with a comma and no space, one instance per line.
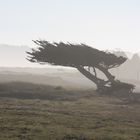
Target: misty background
15,67
105,25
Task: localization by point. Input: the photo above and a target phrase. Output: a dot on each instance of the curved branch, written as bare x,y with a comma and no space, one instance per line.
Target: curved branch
99,82
109,76
95,71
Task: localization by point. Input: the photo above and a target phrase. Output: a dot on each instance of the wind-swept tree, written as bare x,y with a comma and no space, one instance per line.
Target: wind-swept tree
82,57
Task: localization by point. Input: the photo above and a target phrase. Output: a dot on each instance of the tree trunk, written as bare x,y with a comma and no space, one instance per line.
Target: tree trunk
109,76
99,82
114,85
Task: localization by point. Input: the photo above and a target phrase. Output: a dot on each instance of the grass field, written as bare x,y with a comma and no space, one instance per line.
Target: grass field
37,112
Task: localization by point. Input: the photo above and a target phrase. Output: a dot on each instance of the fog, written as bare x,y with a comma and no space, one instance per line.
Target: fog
15,67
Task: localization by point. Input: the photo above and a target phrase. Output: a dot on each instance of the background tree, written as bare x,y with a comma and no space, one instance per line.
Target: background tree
84,58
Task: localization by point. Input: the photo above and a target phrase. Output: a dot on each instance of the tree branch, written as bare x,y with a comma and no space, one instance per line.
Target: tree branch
93,78
95,71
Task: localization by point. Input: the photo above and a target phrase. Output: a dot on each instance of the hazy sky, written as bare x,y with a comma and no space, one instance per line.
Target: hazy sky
103,24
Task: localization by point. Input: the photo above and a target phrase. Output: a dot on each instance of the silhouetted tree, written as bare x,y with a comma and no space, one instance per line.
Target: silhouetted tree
82,57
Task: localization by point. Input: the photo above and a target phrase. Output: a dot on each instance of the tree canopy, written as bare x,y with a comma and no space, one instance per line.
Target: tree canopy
73,55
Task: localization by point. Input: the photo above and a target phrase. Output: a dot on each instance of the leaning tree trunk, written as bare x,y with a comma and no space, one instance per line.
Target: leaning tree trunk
90,76
108,86
110,81
100,83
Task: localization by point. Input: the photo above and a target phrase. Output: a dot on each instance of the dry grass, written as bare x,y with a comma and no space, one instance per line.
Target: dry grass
67,115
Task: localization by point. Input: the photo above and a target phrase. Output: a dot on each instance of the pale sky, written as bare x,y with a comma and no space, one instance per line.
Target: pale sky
103,24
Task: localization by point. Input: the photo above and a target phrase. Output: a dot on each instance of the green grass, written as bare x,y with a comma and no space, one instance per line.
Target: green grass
59,114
